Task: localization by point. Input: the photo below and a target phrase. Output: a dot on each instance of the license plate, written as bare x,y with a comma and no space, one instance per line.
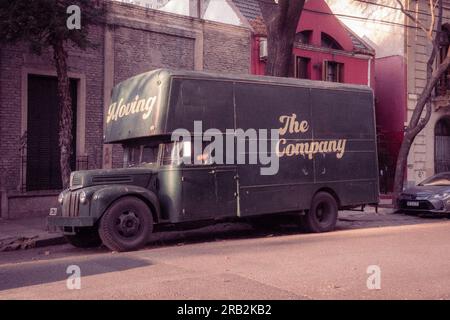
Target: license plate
412,203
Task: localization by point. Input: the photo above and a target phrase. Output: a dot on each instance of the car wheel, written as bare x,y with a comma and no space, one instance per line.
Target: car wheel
322,215
126,225
85,238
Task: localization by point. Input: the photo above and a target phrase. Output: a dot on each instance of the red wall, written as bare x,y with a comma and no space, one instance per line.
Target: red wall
356,68
391,106
391,98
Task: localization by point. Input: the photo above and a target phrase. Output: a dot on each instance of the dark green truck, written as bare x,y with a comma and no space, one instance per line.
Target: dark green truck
325,152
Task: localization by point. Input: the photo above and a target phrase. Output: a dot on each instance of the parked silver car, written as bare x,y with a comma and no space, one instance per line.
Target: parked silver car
431,195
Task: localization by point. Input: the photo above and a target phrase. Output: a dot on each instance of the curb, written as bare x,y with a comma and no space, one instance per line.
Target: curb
39,243
24,243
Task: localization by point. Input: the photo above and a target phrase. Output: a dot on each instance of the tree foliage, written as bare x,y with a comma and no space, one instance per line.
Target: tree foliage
42,23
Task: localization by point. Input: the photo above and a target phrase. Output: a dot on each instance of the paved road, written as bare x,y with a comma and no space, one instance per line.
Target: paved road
239,263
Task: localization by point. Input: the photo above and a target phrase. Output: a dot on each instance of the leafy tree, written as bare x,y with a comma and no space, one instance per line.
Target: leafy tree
281,18
49,24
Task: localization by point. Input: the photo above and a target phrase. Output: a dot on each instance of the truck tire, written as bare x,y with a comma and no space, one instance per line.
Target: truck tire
126,225
85,238
322,215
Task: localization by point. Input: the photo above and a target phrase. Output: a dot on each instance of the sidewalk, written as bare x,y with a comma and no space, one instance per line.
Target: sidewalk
26,233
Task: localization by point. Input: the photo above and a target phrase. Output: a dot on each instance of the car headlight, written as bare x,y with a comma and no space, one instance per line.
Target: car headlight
82,197
60,198
441,196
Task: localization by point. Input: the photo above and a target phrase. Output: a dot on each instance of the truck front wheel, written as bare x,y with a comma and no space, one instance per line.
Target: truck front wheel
126,225
85,238
322,215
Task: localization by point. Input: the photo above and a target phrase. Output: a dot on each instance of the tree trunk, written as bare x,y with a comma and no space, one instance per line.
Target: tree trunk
65,104
281,21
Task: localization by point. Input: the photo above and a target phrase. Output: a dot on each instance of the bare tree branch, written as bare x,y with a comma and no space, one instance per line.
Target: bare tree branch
416,20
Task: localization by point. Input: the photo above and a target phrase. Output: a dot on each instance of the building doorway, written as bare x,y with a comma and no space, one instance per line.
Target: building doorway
43,171
442,146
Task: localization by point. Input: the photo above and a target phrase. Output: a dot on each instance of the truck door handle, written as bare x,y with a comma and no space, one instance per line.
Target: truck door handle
212,172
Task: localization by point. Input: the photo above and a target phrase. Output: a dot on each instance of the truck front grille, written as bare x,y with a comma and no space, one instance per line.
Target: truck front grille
71,204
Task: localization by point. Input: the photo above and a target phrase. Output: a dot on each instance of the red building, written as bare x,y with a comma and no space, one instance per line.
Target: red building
325,49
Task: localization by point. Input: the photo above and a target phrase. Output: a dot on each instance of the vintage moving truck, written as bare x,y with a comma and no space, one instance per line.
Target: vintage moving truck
320,156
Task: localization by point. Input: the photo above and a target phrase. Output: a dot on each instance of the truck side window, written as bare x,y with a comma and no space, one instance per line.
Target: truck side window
183,152
171,154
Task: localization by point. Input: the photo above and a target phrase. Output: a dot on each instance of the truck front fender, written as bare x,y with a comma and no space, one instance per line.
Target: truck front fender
104,197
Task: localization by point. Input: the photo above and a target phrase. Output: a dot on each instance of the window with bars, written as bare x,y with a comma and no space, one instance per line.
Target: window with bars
443,86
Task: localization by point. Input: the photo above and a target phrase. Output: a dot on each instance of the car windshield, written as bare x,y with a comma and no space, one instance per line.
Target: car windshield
437,180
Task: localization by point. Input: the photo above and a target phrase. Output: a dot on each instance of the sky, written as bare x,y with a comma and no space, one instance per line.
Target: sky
388,37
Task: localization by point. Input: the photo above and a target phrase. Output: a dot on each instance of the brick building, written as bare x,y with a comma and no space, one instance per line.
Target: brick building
135,39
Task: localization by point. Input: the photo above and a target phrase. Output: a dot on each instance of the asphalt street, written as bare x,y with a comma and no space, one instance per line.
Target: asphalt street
234,261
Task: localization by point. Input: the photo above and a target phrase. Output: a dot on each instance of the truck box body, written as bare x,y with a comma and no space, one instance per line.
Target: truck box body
338,121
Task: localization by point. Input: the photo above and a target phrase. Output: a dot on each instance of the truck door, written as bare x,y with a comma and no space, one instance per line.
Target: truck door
208,192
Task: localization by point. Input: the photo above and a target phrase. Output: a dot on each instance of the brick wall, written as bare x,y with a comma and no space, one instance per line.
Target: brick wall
143,40
161,40
15,63
11,58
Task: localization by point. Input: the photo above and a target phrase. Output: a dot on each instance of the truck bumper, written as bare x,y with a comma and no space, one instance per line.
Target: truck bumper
71,221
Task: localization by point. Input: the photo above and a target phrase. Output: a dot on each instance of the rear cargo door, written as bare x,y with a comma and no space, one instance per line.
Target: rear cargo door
348,116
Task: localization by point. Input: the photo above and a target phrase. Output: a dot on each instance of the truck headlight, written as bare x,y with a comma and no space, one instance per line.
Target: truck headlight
82,197
60,198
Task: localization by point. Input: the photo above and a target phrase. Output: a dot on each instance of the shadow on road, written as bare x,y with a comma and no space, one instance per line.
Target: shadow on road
24,275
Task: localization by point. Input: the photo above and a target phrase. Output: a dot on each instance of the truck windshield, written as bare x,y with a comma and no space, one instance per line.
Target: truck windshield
141,155
173,154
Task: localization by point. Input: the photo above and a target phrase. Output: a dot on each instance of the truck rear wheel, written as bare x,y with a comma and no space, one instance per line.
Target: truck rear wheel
322,215
85,238
126,225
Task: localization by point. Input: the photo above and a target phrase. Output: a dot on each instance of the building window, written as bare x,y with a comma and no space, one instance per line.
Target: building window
443,85
442,146
302,68
332,71
303,37
329,42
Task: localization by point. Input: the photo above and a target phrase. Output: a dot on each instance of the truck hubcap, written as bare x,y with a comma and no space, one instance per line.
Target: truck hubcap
323,212
127,225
